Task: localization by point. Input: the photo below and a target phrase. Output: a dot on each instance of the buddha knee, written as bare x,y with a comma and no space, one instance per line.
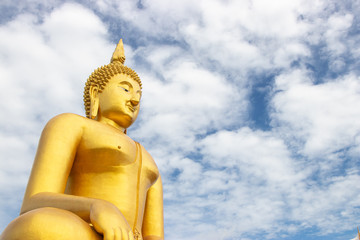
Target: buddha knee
48,223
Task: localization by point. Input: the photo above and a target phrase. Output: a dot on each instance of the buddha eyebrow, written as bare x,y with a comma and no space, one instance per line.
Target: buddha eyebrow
125,82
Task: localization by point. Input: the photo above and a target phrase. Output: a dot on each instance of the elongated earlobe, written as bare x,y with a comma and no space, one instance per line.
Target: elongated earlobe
93,110
94,102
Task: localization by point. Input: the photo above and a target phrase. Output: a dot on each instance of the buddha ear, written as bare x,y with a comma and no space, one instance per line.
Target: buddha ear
94,101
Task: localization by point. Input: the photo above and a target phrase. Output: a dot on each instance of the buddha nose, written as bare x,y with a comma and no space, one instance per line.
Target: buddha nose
134,102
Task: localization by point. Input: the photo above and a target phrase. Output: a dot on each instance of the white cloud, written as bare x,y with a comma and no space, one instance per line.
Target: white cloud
324,117
249,172
338,27
189,102
330,205
29,46
240,35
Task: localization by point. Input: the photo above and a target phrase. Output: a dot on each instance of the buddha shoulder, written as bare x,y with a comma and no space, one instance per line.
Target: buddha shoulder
67,120
72,124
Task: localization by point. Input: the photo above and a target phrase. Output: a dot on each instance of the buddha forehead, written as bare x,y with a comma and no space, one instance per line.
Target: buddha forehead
122,77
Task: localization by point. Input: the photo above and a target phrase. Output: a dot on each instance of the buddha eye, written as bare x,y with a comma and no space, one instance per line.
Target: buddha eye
126,90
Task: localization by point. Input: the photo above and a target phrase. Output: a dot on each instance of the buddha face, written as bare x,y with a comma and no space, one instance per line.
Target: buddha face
119,101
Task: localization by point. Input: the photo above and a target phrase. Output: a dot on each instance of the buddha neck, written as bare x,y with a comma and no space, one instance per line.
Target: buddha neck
110,122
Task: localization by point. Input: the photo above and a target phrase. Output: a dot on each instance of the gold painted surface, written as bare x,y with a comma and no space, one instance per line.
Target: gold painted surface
89,179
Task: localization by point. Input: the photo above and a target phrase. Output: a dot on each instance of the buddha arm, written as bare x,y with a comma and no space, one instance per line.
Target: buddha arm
153,222
81,206
52,165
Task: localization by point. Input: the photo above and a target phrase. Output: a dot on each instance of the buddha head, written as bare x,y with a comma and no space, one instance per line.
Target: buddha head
113,91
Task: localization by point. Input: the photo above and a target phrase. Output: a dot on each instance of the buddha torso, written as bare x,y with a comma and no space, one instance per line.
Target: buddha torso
106,166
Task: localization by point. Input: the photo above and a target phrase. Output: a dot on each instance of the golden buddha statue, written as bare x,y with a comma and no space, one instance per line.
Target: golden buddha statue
90,181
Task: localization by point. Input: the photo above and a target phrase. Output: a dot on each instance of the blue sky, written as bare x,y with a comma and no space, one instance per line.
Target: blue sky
250,108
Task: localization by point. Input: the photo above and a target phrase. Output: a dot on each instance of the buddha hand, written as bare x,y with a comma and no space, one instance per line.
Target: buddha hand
109,221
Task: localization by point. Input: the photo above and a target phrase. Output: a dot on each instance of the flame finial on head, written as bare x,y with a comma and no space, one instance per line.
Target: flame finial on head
119,53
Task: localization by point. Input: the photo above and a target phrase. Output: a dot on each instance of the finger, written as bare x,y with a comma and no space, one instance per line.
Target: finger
131,235
120,234
126,234
109,235
117,234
